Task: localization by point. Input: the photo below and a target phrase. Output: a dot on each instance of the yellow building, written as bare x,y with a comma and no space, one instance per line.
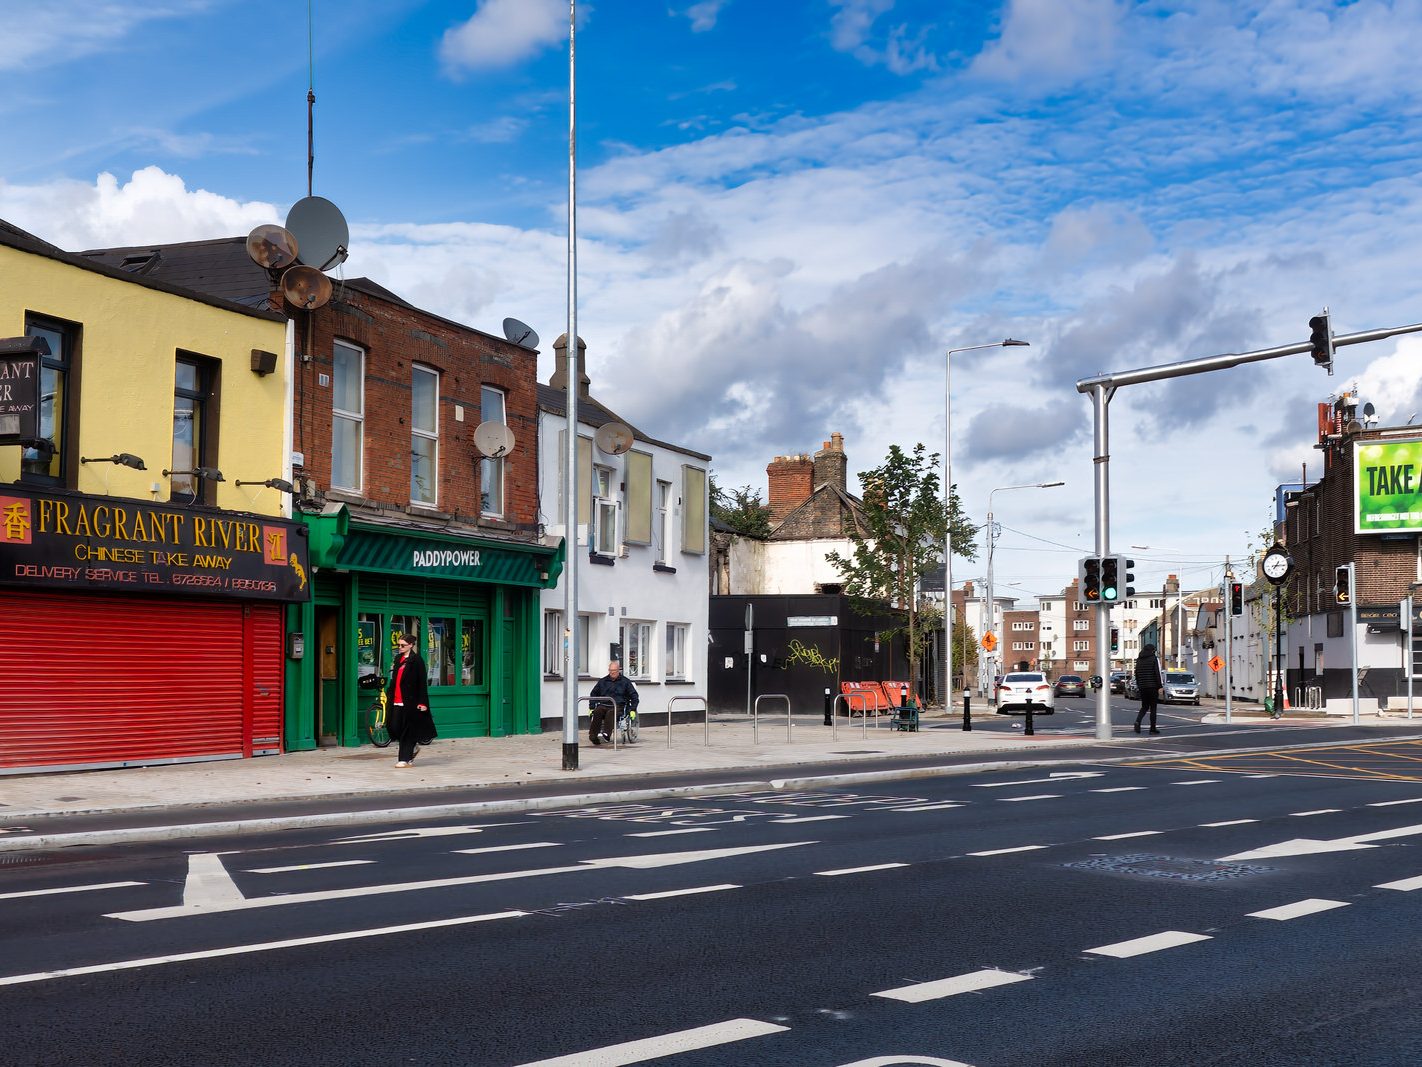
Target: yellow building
142,588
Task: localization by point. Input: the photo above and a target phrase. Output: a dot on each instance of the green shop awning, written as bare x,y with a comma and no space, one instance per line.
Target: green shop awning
381,550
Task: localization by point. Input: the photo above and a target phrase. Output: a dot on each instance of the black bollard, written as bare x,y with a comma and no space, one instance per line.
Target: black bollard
829,709
1028,732
967,709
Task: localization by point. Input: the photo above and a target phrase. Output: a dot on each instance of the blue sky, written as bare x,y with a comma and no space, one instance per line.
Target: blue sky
788,210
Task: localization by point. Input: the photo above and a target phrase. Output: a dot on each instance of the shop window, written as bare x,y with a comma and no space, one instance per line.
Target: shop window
637,650
368,658
676,666
58,408
194,428
347,416
604,513
424,436
441,653
638,495
491,470
693,510
400,624
471,646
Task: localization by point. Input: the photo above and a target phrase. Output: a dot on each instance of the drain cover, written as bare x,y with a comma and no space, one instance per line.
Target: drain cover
1174,868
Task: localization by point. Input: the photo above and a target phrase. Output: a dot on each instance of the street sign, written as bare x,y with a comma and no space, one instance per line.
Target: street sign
1216,664
989,641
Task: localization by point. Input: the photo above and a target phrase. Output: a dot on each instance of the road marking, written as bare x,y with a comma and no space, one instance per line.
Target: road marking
1320,811
1405,885
504,848
1005,851
416,832
1298,909
679,892
1153,943
1199,781
950,987
1120,789
68,889
1229,822
861,870
904,1061
1303,846
931,807
1122,837
1393,803
1054,778
805,818
1261,776
308,867
669,833
1039,796
210,890
239,950
653,1048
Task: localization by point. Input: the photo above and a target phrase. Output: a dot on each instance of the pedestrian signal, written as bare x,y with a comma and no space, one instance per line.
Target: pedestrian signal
1236,598
1089,576
1341,590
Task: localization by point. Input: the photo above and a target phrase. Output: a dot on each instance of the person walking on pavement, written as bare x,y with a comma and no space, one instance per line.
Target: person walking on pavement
1149,679
410,720
619,689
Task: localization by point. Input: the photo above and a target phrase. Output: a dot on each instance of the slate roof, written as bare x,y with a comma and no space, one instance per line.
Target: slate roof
593,413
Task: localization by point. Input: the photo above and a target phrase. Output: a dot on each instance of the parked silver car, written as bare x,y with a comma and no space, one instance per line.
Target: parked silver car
1180,688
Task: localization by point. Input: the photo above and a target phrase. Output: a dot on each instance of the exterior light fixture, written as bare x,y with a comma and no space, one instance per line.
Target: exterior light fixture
271,483
123,459
211,474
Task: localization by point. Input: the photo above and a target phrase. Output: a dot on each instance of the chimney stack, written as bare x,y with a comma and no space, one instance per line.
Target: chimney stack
831,464
560,365
791,480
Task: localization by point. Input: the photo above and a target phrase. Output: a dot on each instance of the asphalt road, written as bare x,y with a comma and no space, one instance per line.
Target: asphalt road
1157,914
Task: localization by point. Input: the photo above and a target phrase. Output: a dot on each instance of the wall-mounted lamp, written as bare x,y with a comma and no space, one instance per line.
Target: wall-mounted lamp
263,363
43,445
123,459
271,483
211,474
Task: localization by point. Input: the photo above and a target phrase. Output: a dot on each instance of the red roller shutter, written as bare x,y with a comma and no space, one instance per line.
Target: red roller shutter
110,681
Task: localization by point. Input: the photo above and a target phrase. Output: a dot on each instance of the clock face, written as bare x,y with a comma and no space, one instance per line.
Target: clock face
1276,565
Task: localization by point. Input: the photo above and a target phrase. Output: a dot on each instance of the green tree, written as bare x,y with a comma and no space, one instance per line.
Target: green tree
905,520
741,509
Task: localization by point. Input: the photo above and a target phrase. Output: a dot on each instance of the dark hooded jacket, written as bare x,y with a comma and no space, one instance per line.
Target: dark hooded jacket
1148,669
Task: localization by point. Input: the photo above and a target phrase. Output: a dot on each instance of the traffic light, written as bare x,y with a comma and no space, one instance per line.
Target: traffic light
1110,584
1320,340
1090,578
1236,598
1127,578
1115,640
1340,586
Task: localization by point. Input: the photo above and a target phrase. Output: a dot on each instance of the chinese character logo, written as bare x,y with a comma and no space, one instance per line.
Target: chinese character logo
274,542
15,521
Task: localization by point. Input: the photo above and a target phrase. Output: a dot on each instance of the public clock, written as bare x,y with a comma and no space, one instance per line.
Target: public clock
1277,564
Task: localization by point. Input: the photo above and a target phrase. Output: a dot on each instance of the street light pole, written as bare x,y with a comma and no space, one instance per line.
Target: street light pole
992,540
1006,342
570,459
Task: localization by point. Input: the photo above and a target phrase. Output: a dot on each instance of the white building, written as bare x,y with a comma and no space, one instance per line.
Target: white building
643,570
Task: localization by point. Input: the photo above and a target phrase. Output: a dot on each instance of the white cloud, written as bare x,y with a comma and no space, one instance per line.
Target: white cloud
852,30
61,31
703,15
501,33
1048,41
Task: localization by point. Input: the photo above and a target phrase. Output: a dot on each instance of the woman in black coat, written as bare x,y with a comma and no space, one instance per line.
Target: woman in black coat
410,721
1149,681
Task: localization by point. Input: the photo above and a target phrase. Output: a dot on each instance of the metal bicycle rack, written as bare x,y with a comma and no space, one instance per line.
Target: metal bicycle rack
1308,697
755,715
863,696
705,724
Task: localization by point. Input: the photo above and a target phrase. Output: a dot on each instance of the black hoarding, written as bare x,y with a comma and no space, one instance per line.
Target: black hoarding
59,540
20,387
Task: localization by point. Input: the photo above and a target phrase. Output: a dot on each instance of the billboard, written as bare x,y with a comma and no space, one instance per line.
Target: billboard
1387,486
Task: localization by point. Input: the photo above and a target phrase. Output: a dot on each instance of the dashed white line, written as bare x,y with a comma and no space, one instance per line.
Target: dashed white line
1122,837
1261,776
806,818
679,892
1320,811
1005,851
1298,909
309,866
1403,885
1394,803
1229,822
68,889
1199,781
1121,789
931,807
861,870
669,833
1153,943
1039,796
654,1048
505,848
949,987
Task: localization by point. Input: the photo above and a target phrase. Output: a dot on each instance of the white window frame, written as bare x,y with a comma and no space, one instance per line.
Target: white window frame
1081,646
491,470
343,415
678,642
553,643
662,534
603,537
430,435
1081,624
640,669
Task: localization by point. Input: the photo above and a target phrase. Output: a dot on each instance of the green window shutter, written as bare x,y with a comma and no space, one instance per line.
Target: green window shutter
693,510
639,498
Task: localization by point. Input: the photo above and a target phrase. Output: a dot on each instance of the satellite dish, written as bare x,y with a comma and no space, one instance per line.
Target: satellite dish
520,333
305,287
272,247
1368,410
321,232
1353,426
493,439
614,438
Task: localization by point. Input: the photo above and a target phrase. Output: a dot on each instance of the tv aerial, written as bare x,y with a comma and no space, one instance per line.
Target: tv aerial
322,236
613,438
520,333
493,439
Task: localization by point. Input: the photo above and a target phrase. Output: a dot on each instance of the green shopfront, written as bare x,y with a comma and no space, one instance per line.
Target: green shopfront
472,604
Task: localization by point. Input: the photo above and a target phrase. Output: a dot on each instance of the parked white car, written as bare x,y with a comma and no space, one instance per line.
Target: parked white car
1017,688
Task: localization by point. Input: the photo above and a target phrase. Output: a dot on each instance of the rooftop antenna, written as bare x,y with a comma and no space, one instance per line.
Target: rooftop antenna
310,100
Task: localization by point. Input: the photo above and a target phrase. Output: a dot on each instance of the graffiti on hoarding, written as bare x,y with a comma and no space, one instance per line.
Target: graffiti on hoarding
811,655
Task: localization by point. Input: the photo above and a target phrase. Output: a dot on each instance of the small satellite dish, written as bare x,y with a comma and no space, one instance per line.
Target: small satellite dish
272,247
493,439
321,232
614,438
1368,410
1353,426
520,333
305,287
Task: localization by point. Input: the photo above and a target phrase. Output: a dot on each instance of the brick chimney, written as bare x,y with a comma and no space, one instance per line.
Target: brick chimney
560,365
831,464
791,480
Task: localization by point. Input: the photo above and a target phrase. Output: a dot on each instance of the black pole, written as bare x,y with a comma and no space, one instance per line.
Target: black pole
1278,651
967,708
1029,731
829,709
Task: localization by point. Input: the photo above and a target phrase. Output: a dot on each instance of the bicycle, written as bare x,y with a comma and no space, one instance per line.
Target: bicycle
376,725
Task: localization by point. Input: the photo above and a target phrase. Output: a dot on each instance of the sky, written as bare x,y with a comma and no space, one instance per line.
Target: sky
788,211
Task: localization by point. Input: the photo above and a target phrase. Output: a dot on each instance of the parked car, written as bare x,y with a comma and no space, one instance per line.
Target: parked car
1129,688
1069,685
1180,688
1017,688
1118,681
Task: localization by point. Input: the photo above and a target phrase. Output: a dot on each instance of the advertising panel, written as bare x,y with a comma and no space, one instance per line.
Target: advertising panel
84,543
20,386
1387,486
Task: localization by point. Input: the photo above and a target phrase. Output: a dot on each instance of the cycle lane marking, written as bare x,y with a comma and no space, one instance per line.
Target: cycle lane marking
652,1048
